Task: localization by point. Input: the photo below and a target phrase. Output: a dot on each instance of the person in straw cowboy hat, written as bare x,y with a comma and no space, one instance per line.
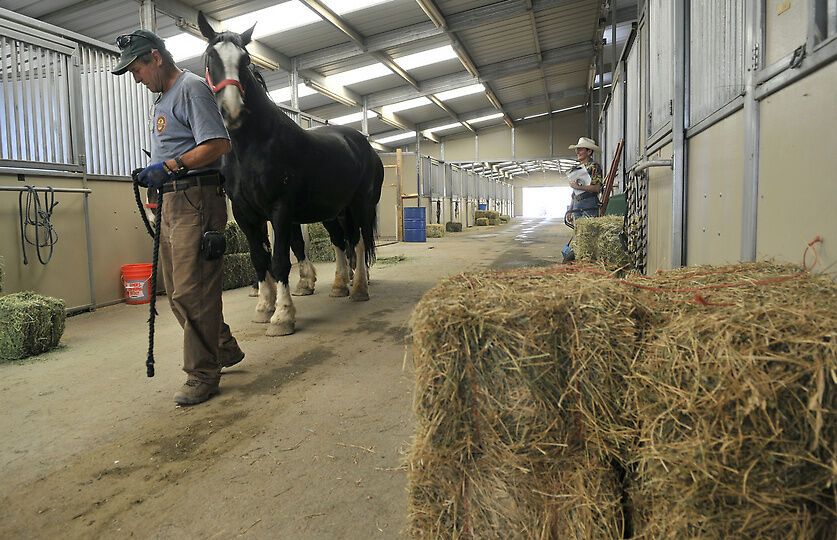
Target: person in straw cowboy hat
586,181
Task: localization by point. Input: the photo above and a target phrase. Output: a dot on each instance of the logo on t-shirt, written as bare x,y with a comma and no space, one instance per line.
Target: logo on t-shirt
160,124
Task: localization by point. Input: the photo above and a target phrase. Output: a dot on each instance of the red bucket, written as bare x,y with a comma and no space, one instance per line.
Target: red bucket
136,282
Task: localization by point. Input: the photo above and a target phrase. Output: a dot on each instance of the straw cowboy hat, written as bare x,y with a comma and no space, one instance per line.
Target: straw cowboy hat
584,142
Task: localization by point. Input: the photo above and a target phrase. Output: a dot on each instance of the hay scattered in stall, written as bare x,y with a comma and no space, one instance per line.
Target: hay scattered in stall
735,396
236,240
319,247
238,271
519,403
453,226
32,324
435,230
481,222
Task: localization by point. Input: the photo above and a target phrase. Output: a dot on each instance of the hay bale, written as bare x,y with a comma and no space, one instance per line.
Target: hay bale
610,249
481,222
2,271
453,226
493,221
735,403
236,240
478,214
320,250
585,243
316,231
491,214
435,230
32,324
519,389
504,218
237,271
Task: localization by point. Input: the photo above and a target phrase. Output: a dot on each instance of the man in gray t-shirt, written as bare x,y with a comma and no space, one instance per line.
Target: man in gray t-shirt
188,138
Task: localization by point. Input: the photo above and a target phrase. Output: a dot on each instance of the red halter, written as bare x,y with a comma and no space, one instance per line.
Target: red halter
222,84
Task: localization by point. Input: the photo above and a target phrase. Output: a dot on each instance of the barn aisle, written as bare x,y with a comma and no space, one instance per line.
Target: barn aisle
306,440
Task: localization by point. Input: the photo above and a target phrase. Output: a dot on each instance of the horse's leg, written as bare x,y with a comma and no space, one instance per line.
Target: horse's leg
256,233
360,284
307,272
340,287
284,316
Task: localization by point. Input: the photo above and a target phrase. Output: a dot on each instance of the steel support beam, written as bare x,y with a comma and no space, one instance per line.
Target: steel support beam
679,126
752,127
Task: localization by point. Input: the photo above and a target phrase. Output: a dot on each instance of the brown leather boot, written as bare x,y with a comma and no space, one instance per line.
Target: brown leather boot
194,392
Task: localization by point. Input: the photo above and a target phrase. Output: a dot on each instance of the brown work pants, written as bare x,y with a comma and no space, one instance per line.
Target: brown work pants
193,283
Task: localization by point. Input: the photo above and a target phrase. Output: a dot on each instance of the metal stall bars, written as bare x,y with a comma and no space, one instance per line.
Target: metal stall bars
437,189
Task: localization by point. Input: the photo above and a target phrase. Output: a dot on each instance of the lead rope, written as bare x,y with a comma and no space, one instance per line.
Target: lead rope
155,234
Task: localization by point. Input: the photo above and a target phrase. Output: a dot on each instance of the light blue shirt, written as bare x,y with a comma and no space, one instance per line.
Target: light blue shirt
185,116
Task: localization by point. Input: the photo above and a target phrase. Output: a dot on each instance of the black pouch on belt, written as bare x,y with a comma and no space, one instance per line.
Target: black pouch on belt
213,245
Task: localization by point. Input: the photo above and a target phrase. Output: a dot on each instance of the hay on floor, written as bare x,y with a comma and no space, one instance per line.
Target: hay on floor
519,386
453,226
735,397
481,222
238,271
32,324
435,230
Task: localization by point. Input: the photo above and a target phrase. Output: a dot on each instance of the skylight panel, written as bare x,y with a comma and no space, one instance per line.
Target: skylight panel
183,46
404,105
443,128
425,58
399,137
341,7
273,19
485,118
283,95
459,92
354,117
364,73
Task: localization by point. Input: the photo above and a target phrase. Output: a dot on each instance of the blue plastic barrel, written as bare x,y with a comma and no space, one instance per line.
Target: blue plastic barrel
415,224
482,206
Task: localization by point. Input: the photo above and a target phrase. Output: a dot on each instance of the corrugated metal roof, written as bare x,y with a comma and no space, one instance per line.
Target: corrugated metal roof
497,36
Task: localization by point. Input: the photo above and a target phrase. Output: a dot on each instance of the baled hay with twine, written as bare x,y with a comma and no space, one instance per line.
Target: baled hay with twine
435,230
735,395
236,240
611,249
492,214
519,390
453,226
237,271
478,214
585,243
481,222
504,218
493,221
32,324
319,248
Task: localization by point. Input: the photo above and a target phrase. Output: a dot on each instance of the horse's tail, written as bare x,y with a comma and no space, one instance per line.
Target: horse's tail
371,230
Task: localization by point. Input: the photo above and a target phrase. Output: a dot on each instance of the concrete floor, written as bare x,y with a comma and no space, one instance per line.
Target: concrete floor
306,440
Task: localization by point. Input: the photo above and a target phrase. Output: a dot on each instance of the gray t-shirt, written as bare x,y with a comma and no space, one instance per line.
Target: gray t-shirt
184,117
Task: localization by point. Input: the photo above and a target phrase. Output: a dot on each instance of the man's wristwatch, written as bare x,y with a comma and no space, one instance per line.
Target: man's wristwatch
181,169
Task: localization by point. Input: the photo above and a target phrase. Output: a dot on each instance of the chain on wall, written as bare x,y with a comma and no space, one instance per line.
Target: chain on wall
636,219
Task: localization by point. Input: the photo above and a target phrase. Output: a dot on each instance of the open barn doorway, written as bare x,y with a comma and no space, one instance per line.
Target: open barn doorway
546,202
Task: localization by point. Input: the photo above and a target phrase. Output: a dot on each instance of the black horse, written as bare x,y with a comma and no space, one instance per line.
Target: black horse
287,175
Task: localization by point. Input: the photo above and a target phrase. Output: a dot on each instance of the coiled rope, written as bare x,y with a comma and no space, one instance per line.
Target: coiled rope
37,215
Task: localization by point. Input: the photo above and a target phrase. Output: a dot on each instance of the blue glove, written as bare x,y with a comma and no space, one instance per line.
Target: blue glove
155,175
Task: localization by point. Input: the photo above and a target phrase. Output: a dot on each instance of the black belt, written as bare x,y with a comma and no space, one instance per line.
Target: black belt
585,195
205,179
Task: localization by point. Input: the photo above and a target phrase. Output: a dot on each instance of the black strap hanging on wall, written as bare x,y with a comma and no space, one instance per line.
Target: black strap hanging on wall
37,215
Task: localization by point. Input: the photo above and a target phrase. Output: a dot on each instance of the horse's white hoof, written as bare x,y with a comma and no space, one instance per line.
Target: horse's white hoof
359,297
339,292
303,291
280,329
262,316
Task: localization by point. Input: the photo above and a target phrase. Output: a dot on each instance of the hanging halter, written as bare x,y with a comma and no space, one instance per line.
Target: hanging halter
221,85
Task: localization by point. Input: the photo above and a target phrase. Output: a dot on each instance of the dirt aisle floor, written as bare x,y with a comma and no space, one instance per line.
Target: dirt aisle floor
306,440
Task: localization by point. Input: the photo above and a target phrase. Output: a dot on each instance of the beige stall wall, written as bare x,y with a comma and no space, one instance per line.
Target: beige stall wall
494,144
659,213
566,129
118,238
798,171
786,27
388,216
714,193
531,141
461,149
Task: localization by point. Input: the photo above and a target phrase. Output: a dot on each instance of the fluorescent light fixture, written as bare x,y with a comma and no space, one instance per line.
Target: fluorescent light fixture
183,46
399,137
443,128
283,95
485,118
364,73
459,92
349,118
404,105
426,58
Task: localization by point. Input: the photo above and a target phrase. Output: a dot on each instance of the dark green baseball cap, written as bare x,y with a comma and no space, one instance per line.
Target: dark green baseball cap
134,45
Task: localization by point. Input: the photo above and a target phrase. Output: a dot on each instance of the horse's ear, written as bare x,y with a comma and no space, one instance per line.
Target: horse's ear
206,29
247,36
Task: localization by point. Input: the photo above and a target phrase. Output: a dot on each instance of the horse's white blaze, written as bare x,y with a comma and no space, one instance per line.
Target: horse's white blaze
285,310
229,97
307,274
267,294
